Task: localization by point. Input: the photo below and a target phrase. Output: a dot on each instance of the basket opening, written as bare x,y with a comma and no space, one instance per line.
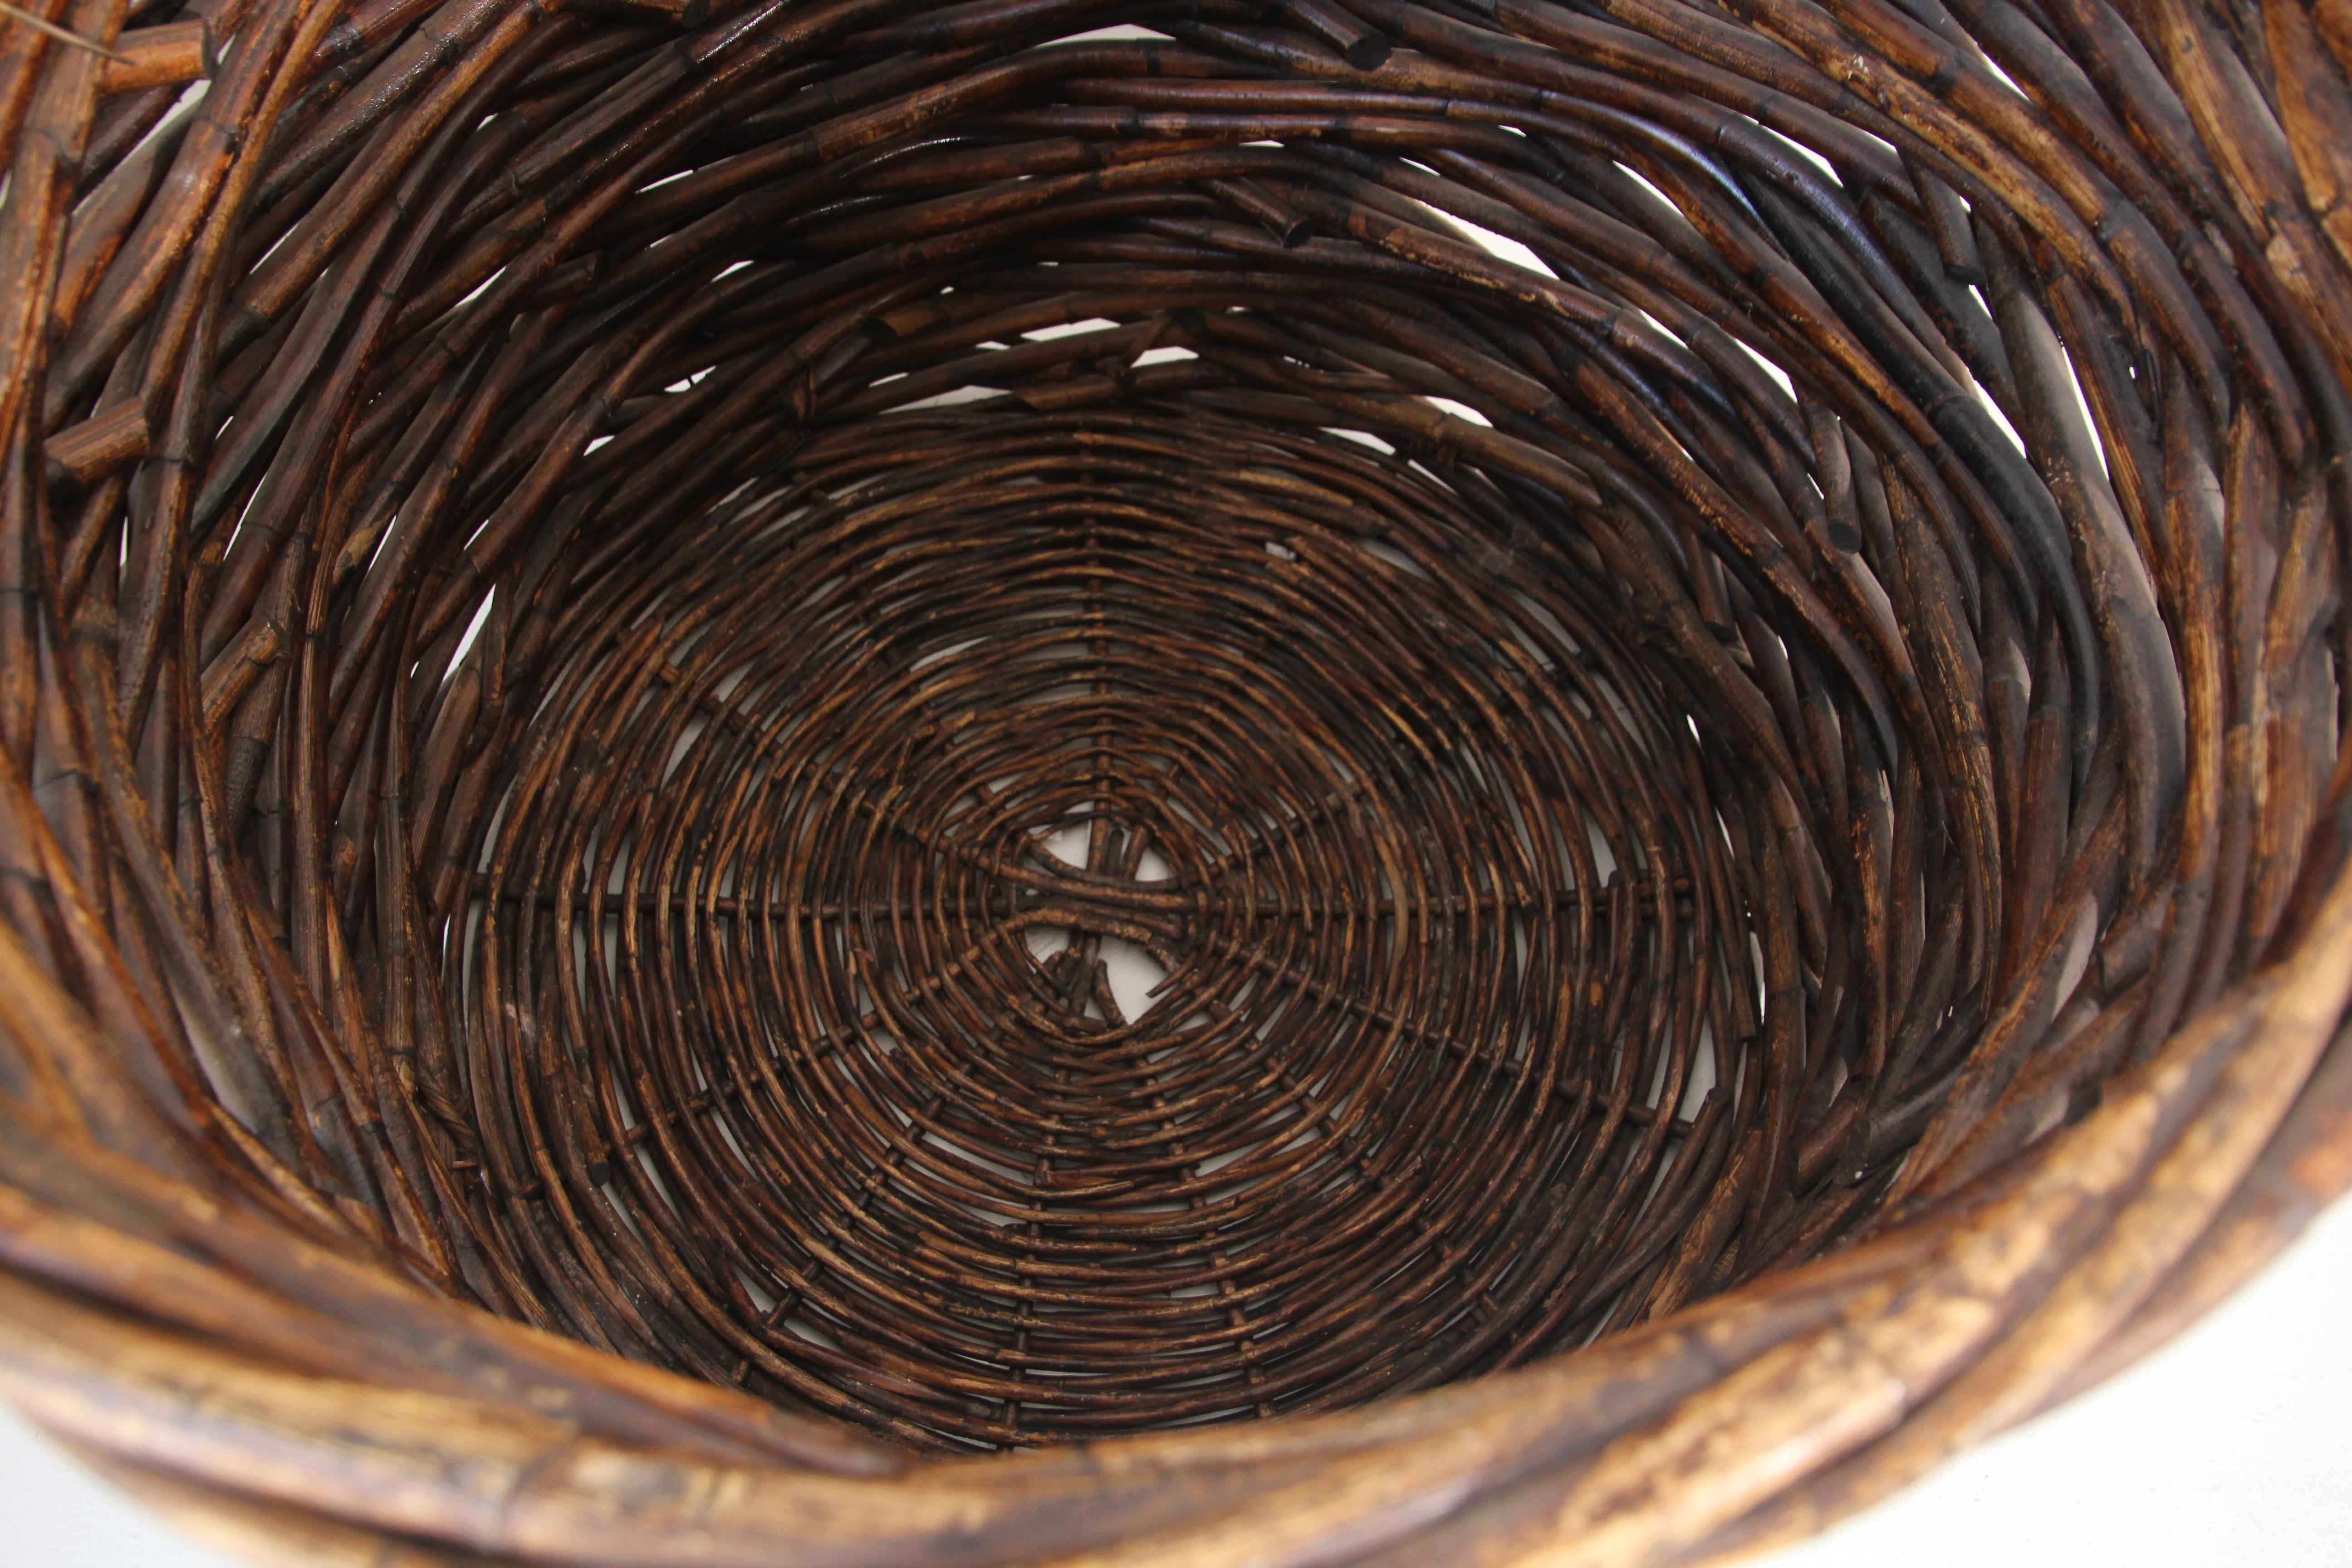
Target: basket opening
1053,493
1020,735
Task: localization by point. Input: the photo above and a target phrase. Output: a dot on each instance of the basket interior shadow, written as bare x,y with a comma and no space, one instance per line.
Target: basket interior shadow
1016,726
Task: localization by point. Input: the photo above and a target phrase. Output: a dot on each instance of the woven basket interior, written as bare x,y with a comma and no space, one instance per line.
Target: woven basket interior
1025,720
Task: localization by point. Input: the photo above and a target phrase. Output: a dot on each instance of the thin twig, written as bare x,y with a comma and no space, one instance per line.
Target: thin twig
62,34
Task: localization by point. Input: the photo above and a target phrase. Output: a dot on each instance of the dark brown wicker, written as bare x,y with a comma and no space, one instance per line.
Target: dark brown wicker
1700,645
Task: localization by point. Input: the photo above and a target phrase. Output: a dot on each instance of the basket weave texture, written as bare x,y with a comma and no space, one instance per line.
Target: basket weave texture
858,783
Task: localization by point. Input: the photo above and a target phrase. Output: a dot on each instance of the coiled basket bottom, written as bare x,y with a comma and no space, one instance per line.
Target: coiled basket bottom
1234,781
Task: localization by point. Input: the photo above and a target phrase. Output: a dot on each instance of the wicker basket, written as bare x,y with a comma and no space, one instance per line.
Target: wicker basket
874,784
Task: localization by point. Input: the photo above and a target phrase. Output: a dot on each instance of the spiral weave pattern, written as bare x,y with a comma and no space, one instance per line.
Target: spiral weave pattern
778,776
1307,766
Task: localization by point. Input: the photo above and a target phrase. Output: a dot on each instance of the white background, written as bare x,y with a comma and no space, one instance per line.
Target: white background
2231,1445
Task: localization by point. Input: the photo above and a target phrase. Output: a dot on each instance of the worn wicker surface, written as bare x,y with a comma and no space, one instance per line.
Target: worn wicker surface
620,627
